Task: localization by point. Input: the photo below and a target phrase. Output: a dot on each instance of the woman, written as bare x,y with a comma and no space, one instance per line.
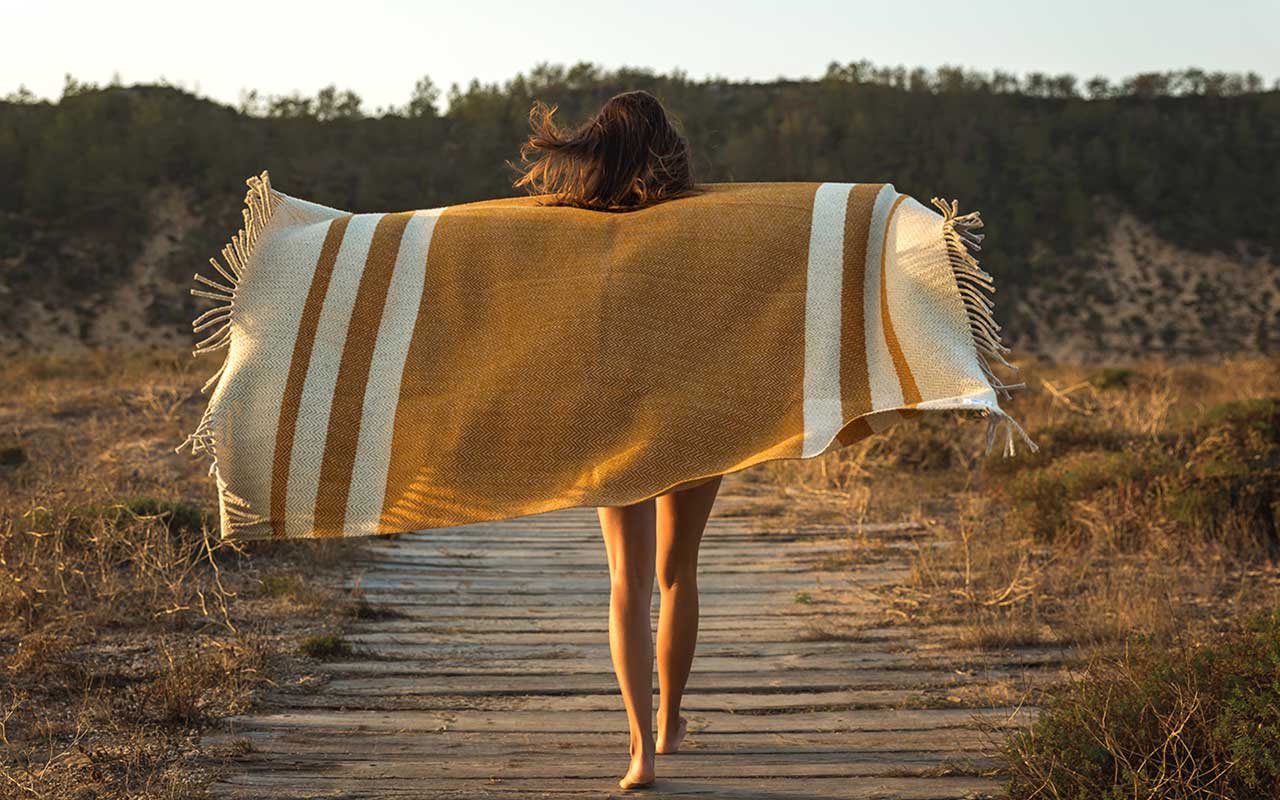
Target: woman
627,157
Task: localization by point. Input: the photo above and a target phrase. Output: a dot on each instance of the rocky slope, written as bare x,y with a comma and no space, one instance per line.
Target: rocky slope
1137,295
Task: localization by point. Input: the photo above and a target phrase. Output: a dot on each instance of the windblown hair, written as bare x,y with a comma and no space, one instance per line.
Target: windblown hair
626,157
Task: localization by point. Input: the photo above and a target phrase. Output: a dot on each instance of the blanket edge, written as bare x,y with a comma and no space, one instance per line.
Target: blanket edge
260,204
963,242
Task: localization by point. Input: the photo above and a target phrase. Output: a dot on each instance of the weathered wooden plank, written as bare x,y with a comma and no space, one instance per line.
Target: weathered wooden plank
442,679
789,666
520,721
788,651
544,584
812,639
733,603
587,544
277,785
581,554
583,544
604,766
516,569
572,624
376,698
440,610
535,747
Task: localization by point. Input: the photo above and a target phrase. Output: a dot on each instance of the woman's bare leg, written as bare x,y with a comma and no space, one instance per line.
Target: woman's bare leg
681,518
629,541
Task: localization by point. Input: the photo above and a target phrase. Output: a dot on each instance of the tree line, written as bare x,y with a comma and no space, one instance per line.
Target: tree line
1193,154
333,103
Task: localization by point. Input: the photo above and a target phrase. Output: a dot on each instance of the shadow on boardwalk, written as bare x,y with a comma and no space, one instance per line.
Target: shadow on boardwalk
494,680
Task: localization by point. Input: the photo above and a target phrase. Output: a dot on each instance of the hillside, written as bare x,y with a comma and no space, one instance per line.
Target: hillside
1136,222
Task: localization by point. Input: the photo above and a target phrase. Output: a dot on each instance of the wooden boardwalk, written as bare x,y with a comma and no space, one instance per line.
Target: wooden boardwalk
494,678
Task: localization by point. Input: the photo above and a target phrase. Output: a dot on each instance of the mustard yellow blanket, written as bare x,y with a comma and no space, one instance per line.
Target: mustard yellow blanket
393,372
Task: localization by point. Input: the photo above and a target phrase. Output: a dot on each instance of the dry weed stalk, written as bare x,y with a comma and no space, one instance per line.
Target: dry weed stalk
124,622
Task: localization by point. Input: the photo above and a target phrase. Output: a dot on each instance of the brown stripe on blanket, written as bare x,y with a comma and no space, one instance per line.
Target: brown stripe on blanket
855,379
298,366
910,390
539,379
353,375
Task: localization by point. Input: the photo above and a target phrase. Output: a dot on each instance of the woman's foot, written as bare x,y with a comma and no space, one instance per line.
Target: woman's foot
669,741
641,772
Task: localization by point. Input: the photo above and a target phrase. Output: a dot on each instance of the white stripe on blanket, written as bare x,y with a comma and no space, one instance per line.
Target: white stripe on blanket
322,375
823,415
886,391
373,449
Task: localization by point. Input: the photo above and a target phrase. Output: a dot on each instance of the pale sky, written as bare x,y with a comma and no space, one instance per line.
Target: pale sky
379,48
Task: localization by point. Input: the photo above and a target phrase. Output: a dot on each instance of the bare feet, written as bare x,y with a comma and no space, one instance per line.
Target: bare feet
669,742
640,774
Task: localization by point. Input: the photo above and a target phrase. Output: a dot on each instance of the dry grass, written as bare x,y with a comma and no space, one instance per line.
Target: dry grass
1146,526
1182,720
126,629
1145,511
126,626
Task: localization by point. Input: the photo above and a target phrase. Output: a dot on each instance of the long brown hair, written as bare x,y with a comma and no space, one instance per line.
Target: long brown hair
628,156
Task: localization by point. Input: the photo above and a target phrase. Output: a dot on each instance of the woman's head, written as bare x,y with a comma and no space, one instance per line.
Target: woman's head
626,157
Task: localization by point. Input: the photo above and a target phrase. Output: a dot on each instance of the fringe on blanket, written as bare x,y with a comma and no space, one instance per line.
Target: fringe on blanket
963,242
260,204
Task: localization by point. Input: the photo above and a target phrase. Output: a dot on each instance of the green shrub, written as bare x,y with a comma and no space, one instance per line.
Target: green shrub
364,610
286,585
179,517
325,646
1231,473
1077,433
1060,439
1212,474
1261,414
1041,498
1112,378
183,520
1196,722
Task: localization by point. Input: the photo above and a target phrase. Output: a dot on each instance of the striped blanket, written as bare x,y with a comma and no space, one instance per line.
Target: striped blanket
394,372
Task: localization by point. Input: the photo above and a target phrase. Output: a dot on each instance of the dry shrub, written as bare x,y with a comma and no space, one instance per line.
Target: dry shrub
201,683
1210,478
1188,721
126,626
1149,515
137,559
1152,504
119,632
